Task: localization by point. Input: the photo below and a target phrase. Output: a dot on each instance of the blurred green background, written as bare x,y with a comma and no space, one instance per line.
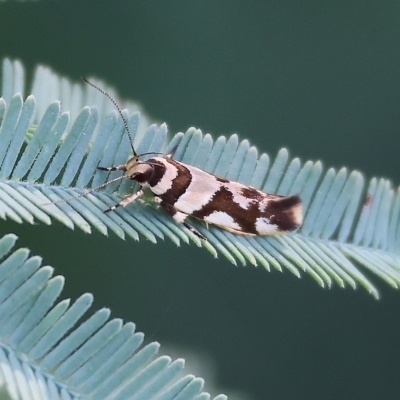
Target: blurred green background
320,77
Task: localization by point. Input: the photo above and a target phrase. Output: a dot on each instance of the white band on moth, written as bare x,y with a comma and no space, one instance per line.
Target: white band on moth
200,192
221,218
264,227
165,184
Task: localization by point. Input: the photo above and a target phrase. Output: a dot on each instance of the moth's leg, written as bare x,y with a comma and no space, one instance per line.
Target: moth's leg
125,201
178,216
119,168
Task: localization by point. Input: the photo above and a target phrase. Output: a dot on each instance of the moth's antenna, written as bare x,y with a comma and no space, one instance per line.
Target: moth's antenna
86,192
117,107
149,152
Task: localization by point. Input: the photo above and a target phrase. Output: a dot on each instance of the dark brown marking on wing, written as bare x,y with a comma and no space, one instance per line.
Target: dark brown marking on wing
223,201
179,184
158,172
251,193
280,211
285,213
222,180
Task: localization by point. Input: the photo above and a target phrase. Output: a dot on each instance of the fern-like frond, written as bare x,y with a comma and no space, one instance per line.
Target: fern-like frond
47,352
347,224
47,86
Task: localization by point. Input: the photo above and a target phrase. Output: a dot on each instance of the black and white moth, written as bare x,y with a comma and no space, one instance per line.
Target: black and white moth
186,191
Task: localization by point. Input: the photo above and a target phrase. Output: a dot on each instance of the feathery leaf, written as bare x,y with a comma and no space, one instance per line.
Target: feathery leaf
47,352
348,225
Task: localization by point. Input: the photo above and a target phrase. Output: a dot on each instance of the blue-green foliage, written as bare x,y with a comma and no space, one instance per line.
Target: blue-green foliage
46,354
349,225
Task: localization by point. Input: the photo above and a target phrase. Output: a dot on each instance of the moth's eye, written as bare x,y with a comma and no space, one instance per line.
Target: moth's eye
140,177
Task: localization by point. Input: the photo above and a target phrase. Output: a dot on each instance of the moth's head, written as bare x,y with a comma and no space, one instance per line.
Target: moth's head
139,170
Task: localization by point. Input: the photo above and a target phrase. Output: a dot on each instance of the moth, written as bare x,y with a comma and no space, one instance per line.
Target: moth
185,191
